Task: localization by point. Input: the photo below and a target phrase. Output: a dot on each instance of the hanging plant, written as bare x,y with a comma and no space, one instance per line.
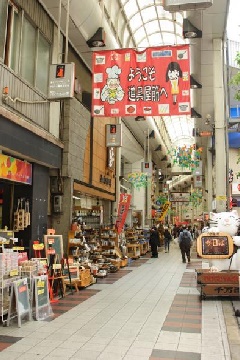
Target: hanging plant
196,198
139,179
186,157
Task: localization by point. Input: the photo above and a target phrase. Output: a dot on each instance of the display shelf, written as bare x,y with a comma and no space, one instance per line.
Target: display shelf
133,251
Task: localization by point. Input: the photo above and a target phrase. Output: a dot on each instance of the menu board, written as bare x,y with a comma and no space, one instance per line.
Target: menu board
219,245
40,297
19,301
53,246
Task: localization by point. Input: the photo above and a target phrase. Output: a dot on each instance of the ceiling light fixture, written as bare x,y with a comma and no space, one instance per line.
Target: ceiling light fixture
140,118
98,39
194,84
151,135
190,31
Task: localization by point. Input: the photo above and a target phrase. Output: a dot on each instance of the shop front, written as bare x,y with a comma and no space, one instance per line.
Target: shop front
25,161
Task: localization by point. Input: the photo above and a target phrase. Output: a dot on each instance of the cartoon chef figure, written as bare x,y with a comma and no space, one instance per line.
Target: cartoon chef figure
112,91
173,74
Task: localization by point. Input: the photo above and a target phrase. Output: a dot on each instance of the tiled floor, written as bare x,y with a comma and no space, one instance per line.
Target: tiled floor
149,310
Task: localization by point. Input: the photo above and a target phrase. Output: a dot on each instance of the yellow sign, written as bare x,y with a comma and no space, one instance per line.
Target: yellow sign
38,246
18,248
164,210
221,197
14,272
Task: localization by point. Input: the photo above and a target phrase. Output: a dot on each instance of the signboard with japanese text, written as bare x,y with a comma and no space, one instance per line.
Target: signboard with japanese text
15,170
123,207
215,246
61,81
113,135
179,197
154,82
164,211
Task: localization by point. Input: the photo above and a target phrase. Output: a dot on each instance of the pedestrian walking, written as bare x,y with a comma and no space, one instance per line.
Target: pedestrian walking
185,243
167,239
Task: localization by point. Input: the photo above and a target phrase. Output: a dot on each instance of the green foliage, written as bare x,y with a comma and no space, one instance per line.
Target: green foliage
235,80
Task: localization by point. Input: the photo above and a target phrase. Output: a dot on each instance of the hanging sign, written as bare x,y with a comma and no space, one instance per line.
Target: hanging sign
123,207
154,82
164,210
113,135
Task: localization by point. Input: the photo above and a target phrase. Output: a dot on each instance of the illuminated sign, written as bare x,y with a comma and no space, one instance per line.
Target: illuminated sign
215,246
179,197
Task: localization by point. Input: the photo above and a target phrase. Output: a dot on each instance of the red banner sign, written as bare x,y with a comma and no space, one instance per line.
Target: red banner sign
154,82
123,207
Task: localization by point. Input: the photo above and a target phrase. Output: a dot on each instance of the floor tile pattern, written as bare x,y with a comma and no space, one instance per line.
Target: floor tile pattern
174,355
150,310
6,341
185,314
71,300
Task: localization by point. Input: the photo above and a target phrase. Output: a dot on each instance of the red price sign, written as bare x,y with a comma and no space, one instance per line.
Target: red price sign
51,251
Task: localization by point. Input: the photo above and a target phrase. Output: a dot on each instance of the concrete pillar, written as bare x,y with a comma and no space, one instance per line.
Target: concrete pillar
220,126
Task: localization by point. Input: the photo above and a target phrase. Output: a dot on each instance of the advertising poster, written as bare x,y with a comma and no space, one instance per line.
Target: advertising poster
153,82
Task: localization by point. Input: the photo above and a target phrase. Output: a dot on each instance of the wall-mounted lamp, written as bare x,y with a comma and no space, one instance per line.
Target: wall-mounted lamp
151,135
195,114
169,166
140,118
194,84
190,31
98,39
158,148
164,158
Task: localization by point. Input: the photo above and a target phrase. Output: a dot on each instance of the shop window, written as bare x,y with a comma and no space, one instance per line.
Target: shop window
27,52
3,12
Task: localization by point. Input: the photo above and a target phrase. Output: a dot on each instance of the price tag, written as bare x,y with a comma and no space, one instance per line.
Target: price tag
14,272
38,246
18,248
51,251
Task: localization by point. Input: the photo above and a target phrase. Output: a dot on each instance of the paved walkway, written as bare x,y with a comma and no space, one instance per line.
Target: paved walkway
150,310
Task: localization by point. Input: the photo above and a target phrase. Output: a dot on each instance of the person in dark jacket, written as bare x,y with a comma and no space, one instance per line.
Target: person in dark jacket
167,239
185,243
154,241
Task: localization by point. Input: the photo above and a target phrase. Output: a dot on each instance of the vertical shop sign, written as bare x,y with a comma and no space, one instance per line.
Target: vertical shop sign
164,211
123,207
153,82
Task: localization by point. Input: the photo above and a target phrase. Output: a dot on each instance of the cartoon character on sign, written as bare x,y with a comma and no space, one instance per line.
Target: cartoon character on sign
173,74
112,91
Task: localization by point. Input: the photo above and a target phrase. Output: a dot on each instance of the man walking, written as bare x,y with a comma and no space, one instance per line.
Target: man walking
185,243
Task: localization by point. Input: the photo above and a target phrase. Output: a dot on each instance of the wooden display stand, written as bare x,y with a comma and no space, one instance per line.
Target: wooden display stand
134,251
144,247
222,283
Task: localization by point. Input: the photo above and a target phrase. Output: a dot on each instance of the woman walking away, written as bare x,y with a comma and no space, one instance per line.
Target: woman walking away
167,239
154,241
